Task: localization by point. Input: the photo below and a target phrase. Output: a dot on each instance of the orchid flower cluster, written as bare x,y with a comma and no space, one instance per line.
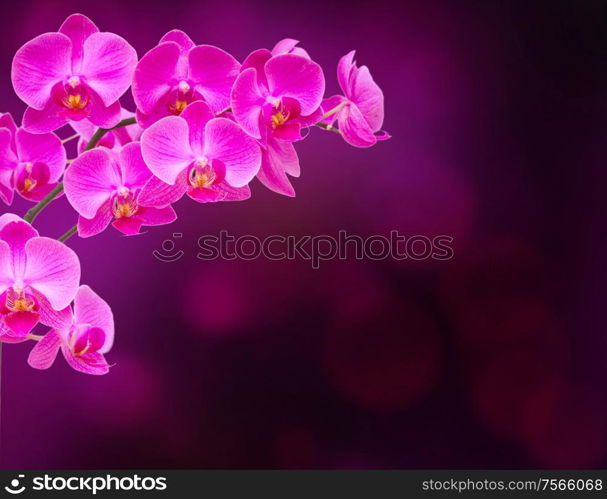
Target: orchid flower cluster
205,126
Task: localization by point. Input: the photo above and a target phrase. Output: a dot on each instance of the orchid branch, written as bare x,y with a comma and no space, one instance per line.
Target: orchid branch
32,213
68,234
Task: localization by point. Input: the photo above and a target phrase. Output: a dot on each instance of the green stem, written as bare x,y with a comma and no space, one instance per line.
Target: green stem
331,112
97,136
330,128
68,234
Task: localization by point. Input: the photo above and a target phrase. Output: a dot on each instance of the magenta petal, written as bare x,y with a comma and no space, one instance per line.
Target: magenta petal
180,38
354,128
197,115
78,28
42,148
296,77
108,65
158,194
257,60
205,195
103,116
90,180
165,147
368,97
56,319
135,172
21,323
45,351
239,152
279,158
246,101
93,226
290,132
7,276
52,269
90,363
7,218
129,226
6,190
90,308
220,192
16,234
345,67
154,74
213,72
39,65
229,193
157,216
284,46
89,338
45,120
7,121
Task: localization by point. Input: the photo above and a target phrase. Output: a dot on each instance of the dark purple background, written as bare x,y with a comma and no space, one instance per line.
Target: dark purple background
496,358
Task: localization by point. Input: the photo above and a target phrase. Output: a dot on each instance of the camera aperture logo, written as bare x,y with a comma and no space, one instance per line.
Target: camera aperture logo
15,487
91,484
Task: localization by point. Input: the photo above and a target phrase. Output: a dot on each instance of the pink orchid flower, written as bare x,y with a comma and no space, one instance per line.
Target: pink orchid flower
177,72
39,278
360,113
210,159
30,163
104,185
277,95
273,98
114,139
75,74
84,338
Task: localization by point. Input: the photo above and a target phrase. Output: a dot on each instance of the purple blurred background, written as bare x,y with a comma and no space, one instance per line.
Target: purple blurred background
496,358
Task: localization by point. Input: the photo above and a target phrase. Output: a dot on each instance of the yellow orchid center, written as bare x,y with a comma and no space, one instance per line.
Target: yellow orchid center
202,174
75,102
20,302
124,204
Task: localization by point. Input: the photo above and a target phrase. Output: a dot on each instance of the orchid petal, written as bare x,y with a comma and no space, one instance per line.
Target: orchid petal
90,308
43,148
39,65
239,152
154,74
165,147
52,269
246,101
279,158
180,38
368,97
89,363
197,115
90,180
159,194
296,77
44,353
108,65
93,226
213,70
45,120
135,172
78,28
354,128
